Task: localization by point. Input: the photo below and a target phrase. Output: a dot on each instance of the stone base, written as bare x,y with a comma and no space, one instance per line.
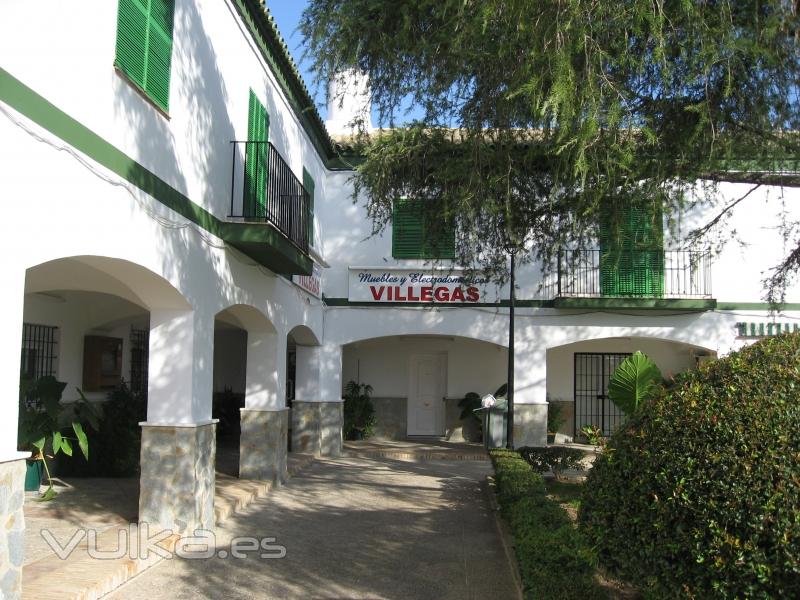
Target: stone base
263,444
317,427
12,527
177,483
530,425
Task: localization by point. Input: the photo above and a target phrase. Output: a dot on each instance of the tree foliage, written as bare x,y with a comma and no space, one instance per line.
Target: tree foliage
537,117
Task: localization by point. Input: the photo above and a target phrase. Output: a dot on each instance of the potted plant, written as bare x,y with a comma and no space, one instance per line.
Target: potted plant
555,419
46,427
359,413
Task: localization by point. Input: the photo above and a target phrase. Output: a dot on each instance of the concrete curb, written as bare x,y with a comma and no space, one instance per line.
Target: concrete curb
505,533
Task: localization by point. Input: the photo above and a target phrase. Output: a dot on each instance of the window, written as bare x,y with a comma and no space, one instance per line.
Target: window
256,160
308,184
144,46
414,237
140,350
632,253
39,350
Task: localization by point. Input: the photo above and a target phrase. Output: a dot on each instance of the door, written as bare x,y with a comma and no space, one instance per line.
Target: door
426,390
592,406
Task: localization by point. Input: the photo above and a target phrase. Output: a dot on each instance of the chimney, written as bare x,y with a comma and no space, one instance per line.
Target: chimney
349,105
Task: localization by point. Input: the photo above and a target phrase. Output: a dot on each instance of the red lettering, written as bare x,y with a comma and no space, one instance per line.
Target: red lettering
442,294
426,294
390,291
411,296
458,295
472,294
377,293
397,295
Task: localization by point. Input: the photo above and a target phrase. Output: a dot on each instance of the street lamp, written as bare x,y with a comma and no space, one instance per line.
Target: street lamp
510,392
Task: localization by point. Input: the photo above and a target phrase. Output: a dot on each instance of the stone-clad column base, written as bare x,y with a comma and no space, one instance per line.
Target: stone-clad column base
530,425
317,427
12,527
176,491
263,445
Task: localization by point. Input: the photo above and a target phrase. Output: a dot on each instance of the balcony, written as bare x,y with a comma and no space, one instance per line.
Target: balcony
644,278
270,214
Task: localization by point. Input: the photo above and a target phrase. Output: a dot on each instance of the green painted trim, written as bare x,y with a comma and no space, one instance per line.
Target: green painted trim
757,306
643,303
39,110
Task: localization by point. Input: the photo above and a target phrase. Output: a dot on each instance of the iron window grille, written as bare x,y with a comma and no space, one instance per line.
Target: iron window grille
39,350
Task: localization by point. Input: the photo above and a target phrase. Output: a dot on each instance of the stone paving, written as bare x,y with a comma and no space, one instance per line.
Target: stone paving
354,527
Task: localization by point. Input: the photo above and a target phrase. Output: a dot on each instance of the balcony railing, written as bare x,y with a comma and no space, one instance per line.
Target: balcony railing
264,189
632,274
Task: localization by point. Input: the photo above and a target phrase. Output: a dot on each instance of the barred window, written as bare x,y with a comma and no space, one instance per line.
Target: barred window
140,348
39,350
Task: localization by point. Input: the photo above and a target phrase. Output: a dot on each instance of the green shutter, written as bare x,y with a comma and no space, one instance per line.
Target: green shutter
144,45
412,239
632,257
255,162
308,184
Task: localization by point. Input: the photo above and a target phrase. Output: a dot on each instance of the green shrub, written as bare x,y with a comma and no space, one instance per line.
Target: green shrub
553,458
553,559
359,412
697,495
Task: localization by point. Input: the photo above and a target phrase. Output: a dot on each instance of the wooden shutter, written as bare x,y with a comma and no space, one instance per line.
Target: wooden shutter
144,45
255,161
412,239
632,256
308,184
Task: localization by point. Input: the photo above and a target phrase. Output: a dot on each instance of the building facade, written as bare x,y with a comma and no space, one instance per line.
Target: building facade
178,217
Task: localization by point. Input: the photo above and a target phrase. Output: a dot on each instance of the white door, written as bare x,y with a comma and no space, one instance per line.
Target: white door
426,390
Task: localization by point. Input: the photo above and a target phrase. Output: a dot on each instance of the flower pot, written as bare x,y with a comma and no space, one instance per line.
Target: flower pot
33,475
551,438
357,434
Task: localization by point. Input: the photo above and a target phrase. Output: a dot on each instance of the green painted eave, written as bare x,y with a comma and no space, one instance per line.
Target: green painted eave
636,303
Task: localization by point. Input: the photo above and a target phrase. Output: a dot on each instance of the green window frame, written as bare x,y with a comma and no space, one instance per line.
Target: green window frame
413,237
144,46
632,253
308,184
256,159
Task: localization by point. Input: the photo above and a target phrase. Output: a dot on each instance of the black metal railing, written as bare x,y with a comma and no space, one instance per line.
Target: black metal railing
641,274
264,189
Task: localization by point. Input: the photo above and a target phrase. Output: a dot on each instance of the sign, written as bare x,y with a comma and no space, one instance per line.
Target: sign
759,330
310,283
434,286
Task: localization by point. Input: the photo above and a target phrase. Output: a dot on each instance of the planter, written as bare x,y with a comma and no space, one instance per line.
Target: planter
357,434
551,438
33,475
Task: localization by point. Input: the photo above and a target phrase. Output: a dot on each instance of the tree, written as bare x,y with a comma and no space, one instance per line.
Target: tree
538,117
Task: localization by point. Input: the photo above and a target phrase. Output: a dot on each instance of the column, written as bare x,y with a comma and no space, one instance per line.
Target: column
530,395
265,417
179,436
12,462
317,415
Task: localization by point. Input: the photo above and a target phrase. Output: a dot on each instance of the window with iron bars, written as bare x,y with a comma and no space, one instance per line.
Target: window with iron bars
39,350
140,350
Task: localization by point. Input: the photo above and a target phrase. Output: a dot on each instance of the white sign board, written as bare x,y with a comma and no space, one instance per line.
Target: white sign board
434,286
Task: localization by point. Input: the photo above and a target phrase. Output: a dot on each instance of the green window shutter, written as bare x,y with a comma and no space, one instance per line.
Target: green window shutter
412,239
632,257
144,45
308,184
255,161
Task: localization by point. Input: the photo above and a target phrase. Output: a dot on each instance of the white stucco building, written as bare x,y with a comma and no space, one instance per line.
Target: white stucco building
178,217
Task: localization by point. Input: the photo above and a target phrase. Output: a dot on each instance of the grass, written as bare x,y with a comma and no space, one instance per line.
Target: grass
565,492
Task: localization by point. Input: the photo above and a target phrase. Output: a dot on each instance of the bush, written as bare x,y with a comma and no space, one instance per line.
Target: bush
553,458
553,560
359,412
697,494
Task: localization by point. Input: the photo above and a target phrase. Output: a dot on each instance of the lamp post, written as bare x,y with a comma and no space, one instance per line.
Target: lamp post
510,392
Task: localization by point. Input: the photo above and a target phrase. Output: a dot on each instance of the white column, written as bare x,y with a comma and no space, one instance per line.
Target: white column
307,388
330,373
10,345
530,374
261,387
180,367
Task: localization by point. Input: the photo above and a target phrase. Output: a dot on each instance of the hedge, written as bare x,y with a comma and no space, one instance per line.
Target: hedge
553,560
698,494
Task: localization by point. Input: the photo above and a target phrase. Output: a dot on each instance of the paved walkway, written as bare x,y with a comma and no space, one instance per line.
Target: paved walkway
355,527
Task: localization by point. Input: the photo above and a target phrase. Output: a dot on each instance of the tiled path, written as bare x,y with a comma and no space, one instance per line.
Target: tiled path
354,527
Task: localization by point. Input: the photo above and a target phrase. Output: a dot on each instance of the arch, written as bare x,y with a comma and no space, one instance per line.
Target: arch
633,338
304,336
247,317
106,275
